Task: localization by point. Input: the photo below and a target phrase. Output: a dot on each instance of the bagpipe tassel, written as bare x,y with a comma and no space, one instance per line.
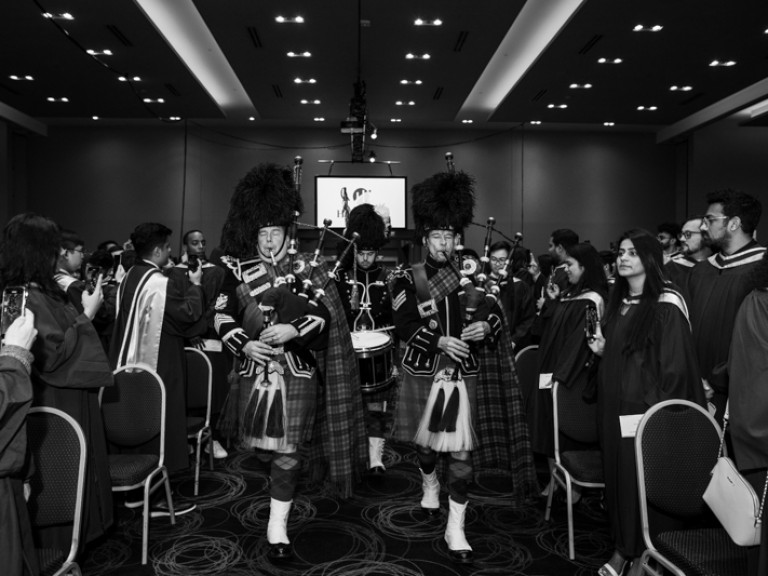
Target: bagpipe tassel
436,412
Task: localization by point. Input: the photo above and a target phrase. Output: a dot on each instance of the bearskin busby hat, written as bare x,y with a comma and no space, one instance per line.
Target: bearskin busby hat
445,201
266,196
368,223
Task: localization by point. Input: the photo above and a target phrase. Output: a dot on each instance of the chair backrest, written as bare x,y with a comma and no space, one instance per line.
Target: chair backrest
199,380
134,407
676,446
57,447
527,366
573,416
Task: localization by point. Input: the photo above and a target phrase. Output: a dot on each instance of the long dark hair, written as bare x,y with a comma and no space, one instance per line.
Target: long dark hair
593,277
650,254
29,250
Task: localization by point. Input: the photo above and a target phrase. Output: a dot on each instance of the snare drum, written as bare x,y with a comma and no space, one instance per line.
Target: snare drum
375,358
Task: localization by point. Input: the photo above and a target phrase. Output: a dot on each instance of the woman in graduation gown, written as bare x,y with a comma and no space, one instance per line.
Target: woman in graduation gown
17,548
564,355
647,357
70,364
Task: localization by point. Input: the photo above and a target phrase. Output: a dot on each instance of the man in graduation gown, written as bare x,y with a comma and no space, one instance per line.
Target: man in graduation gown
152,321
693,249
203,335
718,286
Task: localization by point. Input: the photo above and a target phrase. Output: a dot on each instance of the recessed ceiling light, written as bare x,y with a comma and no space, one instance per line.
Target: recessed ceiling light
560,106
305,101
422,22
407,82
174,118
609,60
100,52
395,119
53,99
132,79
319,119
576,86
467,121
19,78
95,117
154,100
251,118
608,123
641,28
404,103
723,63
304,81
62,16
535,122
294,20
305,54
681,88
411,56
647,108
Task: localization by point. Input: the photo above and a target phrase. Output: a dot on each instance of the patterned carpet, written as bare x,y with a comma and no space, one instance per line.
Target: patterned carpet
380,531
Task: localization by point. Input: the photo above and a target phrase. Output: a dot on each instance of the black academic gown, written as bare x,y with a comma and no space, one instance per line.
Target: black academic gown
182,312
630,383
564,353
17,549
69,368
717,288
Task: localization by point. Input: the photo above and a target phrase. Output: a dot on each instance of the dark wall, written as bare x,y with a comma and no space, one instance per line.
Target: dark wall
102,181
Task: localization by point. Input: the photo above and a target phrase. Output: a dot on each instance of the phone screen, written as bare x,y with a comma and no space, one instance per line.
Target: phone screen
14,303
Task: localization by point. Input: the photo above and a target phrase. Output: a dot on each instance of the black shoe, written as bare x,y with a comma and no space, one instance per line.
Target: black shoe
160,508
431,511
280,552
461,556
377,471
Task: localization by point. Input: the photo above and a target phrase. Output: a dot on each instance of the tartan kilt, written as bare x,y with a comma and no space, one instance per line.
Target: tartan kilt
300,405
412,400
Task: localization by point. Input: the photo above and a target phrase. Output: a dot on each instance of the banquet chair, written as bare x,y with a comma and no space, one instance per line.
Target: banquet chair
577,420
199,388
134,414
527,366
676,446
58,450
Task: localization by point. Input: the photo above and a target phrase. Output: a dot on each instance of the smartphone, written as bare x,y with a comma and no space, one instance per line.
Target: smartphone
14,304
193,262
590,322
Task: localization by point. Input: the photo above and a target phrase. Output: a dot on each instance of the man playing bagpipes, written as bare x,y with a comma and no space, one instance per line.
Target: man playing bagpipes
296,378
441,318
364,292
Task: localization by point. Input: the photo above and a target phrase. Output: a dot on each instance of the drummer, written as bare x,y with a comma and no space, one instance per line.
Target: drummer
362,286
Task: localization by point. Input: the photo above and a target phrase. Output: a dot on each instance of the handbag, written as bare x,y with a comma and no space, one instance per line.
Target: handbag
733,500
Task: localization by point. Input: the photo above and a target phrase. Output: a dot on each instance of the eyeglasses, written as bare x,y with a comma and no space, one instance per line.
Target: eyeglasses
688,233
78,250
710,218
498,260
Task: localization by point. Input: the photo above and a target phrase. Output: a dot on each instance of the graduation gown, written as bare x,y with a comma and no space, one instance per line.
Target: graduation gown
69,368
717,287
181,313
17,548
563,353
630,383
517,301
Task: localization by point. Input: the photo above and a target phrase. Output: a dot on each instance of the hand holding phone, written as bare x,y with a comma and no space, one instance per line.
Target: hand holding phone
22,331
92,300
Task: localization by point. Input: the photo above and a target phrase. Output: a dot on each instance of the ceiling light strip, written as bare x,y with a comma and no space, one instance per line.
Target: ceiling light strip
535,27
184,29
728,105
